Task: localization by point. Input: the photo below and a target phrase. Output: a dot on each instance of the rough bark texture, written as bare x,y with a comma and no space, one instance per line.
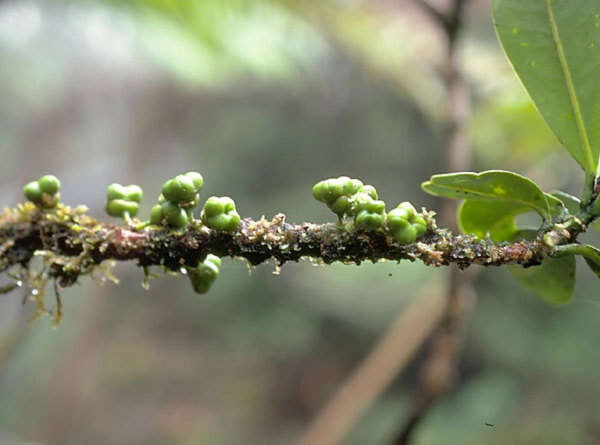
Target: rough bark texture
73,243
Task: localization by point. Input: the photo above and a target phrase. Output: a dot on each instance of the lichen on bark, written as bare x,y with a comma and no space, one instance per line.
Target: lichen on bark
73,244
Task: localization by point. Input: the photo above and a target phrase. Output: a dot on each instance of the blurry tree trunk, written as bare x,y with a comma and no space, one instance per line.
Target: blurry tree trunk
438,373
414,325
391,354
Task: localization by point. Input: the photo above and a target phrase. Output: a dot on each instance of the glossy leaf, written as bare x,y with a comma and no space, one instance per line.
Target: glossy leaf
555,205
492,185
594,266
571,202
554,47
553,280
590,254
496,218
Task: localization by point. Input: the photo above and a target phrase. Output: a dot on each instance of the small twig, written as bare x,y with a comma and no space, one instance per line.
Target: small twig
59,305
438,15
450,20
8,288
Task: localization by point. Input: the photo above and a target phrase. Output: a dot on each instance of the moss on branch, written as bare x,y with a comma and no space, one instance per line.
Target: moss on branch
75,242
72,244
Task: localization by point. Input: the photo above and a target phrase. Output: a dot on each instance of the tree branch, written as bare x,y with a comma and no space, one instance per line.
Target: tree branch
438,15
450,20
73,243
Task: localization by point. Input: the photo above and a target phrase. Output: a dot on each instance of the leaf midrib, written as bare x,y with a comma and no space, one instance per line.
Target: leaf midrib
571,89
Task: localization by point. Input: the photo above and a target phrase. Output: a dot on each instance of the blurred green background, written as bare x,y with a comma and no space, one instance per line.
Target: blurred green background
265,98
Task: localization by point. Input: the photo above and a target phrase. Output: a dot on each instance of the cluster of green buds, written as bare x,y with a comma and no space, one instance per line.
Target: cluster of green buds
219,213
123,201
43,192
371,214
205,274
179,197
348,197
405,224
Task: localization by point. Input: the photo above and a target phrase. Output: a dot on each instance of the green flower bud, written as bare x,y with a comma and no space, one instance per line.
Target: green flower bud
376,206
205,274
156,214
360,201
405,224
369,221
420,225
371,216
32,192
406,208
49,184
341,206
219,213
115,191
131,192
324,191
174,215
344,195
406,235
189,205
180,189
119,207
329,190
213,259
350,186
123,200
369,190
396,219
196,179
337,185
44,191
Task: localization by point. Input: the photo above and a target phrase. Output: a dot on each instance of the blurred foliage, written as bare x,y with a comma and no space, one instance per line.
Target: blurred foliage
212,41
509,127
266,98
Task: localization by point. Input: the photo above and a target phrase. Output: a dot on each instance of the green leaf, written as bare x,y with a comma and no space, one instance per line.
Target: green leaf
571,202
496,218
590,254
556,206
554,47
553,280
492,185
594,266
